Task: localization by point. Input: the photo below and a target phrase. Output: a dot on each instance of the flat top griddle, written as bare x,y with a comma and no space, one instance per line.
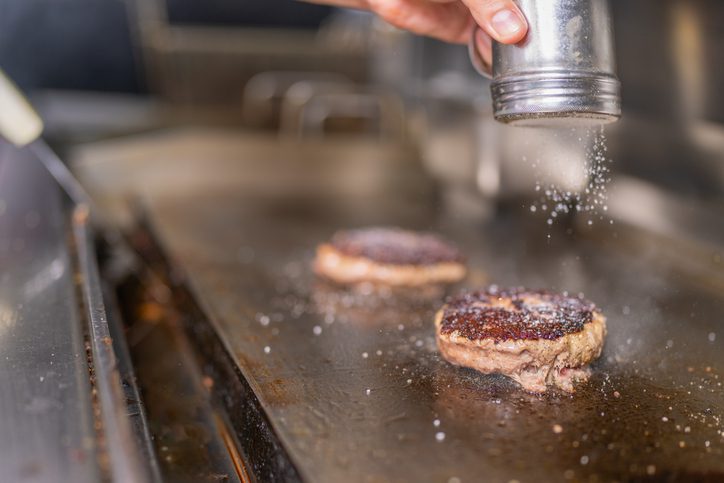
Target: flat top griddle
353,385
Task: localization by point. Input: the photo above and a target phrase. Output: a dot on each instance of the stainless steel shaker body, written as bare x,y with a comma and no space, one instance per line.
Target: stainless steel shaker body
564,68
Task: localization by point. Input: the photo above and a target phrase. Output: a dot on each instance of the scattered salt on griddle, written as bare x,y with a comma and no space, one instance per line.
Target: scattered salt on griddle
263,319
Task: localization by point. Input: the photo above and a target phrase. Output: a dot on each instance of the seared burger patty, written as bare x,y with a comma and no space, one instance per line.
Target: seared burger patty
537,338
389,256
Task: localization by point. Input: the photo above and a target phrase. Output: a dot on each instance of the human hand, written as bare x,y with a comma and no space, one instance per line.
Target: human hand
450,20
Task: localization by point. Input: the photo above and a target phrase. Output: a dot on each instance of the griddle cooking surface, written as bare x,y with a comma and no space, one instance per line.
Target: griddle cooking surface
356,391
361,399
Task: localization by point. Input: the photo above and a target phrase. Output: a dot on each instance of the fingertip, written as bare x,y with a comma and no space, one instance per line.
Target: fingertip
508,25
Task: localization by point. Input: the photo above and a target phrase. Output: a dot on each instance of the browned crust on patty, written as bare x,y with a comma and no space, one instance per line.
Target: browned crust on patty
394,246
515,313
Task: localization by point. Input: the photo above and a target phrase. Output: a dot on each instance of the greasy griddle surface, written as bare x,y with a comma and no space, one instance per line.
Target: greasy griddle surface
354,386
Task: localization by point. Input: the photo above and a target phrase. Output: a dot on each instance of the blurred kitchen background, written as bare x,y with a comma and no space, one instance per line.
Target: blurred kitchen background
285,71
240,133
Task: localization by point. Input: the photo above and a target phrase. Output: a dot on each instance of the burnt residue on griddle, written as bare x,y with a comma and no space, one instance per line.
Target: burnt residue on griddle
515,314
395,246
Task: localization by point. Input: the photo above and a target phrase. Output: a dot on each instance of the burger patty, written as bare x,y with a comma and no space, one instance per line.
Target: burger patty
389,256
537,338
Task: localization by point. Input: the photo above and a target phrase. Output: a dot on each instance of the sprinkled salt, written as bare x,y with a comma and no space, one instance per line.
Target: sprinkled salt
440,436
267,349
436,422
712,336
379,352
651,470
584,460
365,355
368,391
557,428
316,330
593,196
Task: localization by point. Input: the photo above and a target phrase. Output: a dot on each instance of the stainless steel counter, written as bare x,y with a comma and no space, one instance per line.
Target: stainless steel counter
353,386
64,415
46,414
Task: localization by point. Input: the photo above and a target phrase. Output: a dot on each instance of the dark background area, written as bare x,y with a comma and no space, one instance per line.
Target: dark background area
89,44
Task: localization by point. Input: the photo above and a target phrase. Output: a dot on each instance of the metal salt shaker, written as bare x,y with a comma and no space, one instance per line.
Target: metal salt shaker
563,70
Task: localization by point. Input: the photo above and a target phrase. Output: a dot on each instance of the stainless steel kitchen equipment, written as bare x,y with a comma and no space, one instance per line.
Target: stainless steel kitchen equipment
564,68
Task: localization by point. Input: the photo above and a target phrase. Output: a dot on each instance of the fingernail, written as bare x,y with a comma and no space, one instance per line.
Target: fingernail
506,23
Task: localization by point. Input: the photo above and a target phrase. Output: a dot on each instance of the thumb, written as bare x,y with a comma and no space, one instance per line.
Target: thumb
501,19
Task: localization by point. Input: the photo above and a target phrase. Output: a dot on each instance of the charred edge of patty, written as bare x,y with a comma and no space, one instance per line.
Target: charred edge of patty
516,314
394,246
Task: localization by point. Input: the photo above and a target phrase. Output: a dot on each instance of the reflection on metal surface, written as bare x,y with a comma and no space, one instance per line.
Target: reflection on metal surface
44,279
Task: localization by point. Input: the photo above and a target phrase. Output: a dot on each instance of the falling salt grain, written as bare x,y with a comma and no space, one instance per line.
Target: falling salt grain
454,479
264,320
400,327
409,381
712,336
368,391
365,355
440,436
436,422
665,419
379,352
557,428
316,330
267,349
651,470
584,460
